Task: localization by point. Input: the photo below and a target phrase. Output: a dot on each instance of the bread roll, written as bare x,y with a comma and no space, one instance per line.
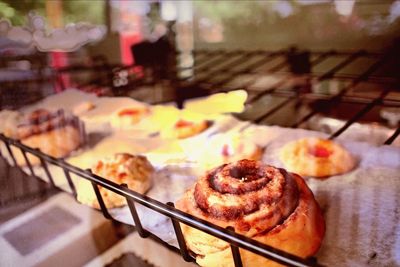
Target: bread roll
54,133
261,202
122,168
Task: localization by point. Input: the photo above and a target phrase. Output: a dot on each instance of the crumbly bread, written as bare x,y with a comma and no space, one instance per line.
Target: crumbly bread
316,157
133,170
261,202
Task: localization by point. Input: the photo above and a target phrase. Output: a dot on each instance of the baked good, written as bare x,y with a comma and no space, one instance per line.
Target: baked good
316,157
54,133
83,107
128,117
221,150
9,120
259,201
185,128
122,168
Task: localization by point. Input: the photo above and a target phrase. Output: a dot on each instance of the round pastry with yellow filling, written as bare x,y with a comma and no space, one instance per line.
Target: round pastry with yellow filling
316,157
133,170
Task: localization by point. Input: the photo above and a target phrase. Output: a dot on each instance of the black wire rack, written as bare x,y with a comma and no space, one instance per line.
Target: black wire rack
166,209
298,74
226,66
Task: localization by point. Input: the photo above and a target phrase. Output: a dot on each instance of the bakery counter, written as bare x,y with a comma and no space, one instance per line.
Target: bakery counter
210,186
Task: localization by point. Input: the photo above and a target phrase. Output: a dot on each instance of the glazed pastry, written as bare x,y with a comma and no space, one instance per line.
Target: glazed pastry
259,201
54,133
185,128
129,116
225,150
122,168
316,157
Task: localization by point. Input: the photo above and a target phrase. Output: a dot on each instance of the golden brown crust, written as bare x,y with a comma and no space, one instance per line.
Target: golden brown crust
58,143
54,133
184,129
133,170
127,117
276,209
316,157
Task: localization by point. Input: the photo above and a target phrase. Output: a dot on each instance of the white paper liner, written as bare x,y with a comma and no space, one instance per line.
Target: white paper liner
361,208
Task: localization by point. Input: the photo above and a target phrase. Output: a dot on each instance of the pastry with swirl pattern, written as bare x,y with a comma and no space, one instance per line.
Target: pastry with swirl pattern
259,201
55,133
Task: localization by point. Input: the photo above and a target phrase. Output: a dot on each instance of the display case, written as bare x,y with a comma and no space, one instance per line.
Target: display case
350,96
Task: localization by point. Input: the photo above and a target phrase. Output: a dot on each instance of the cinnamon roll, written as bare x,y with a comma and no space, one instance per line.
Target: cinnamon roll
259,201
316,157
54,133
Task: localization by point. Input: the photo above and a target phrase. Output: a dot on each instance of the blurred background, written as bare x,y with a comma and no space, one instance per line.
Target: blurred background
325,65
181,27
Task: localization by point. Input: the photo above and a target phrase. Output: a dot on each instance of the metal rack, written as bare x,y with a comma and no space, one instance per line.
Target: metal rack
167,209
231,64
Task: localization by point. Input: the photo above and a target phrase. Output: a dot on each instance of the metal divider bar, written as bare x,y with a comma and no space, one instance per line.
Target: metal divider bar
198,57
241,241
267,91
341,65
179,236
235,251
225,68
11,153
338,96
272,111
212,74
359,114
28,163
70,183
138,225
316,61
46,170
208,56
247,69
237,61
391,139
210,62
99,197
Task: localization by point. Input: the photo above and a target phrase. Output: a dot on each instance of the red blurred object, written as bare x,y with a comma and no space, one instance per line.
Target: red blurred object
320,152
59,60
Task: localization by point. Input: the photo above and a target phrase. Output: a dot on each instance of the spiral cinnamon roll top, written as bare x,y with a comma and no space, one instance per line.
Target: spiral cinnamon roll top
252,194
259,201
